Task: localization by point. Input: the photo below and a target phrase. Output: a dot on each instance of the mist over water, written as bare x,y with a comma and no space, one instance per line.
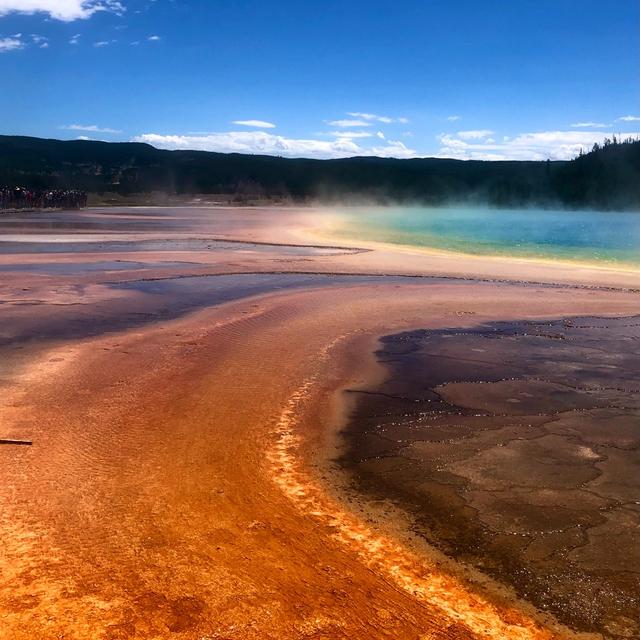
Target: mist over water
606,238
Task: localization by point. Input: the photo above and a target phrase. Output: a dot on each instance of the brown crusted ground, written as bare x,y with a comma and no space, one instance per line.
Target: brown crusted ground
515,446
170,490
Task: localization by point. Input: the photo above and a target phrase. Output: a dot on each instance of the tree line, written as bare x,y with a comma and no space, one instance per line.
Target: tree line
607,177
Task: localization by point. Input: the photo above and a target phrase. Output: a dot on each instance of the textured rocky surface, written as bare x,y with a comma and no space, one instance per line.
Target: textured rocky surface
516,447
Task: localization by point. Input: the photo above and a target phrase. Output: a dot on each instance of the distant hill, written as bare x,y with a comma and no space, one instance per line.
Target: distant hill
606,178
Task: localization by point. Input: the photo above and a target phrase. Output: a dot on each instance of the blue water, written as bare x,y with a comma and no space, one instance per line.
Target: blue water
611,238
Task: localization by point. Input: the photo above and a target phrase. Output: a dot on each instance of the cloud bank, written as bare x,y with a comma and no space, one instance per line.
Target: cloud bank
263,143
542,145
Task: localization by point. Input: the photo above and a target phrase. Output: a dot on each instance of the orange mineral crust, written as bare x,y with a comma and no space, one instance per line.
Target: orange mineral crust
183,424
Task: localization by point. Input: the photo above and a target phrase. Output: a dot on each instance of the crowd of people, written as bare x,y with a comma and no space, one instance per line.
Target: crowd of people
21,198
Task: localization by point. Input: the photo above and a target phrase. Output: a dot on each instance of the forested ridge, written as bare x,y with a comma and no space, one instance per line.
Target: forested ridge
608,177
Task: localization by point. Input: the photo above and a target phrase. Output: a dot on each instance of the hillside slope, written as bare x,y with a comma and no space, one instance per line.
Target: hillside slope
607,178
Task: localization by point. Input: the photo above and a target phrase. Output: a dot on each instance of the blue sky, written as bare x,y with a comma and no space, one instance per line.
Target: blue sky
522,79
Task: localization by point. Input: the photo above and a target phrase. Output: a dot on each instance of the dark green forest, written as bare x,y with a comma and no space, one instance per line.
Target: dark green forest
608,177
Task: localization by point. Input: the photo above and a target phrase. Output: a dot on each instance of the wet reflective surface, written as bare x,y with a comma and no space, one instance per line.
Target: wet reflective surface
76,274
141,301
516,447
73,268
146,354
25,244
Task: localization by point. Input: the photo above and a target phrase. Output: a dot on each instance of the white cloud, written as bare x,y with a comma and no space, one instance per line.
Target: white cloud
261,142
104,43
65,10
16,41
555,145
74,39
40,41
630,118
89,127
349,123
393,149
12,43
380,135
260,124
154,38
372,117
351,134
258,142
453,118
475,134
589,125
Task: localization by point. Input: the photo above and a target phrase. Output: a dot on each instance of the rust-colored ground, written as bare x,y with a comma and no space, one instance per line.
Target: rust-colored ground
177,485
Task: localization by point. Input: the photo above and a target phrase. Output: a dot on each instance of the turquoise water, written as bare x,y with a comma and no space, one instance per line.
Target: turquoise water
607,238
